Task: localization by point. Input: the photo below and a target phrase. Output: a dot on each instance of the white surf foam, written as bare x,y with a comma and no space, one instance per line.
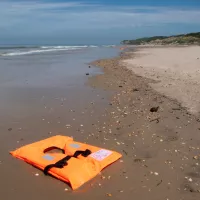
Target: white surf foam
63,47
43,49
109,45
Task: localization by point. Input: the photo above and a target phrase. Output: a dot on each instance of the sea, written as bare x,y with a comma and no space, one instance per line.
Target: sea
30,75
49,65
29,49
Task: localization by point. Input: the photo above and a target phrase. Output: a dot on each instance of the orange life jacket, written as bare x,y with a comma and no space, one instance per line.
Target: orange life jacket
77,164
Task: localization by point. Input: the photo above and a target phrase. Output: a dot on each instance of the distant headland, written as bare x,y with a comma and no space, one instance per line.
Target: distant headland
183,39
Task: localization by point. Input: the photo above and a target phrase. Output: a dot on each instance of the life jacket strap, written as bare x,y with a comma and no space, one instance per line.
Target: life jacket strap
63,162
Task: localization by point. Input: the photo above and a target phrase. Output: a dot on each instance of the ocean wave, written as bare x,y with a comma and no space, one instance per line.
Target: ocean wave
93,46
62,47
26,50
18,47
18,53
109,45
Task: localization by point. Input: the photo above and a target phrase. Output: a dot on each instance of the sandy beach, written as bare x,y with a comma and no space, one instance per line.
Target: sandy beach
160,149
99,100
175,71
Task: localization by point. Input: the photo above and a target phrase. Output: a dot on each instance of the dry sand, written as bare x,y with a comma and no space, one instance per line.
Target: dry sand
176,71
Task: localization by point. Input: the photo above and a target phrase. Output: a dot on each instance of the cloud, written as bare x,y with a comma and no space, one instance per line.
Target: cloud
44,6
48,18
37,5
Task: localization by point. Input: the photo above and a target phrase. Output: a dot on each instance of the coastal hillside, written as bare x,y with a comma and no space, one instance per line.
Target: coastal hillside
184,39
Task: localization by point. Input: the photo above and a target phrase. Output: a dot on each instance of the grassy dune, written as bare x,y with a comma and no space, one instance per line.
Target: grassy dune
187,39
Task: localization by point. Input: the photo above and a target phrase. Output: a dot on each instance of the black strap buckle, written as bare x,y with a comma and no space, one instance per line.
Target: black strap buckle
63,162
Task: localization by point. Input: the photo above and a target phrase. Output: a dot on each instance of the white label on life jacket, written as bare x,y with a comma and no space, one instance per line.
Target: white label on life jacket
101,154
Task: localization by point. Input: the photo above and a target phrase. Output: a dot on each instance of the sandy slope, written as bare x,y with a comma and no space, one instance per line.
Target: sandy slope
176,71
160,149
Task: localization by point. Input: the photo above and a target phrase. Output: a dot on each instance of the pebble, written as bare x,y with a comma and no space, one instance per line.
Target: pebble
156,173
118,143
36,174
190,180
66,189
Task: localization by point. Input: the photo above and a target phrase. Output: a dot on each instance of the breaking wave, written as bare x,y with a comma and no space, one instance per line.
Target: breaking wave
27,50
17,51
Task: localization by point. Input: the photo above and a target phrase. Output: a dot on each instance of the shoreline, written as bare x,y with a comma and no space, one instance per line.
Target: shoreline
157,145
106,66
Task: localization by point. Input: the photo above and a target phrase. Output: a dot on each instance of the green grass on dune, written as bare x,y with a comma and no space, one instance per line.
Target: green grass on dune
190,38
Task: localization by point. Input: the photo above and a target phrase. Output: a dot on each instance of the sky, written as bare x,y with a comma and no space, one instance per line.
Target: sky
78,22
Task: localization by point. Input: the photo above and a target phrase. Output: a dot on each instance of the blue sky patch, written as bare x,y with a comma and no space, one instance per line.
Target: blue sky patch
65,22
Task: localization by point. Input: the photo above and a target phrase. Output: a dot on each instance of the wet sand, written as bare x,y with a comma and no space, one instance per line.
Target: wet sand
41,96
159,149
